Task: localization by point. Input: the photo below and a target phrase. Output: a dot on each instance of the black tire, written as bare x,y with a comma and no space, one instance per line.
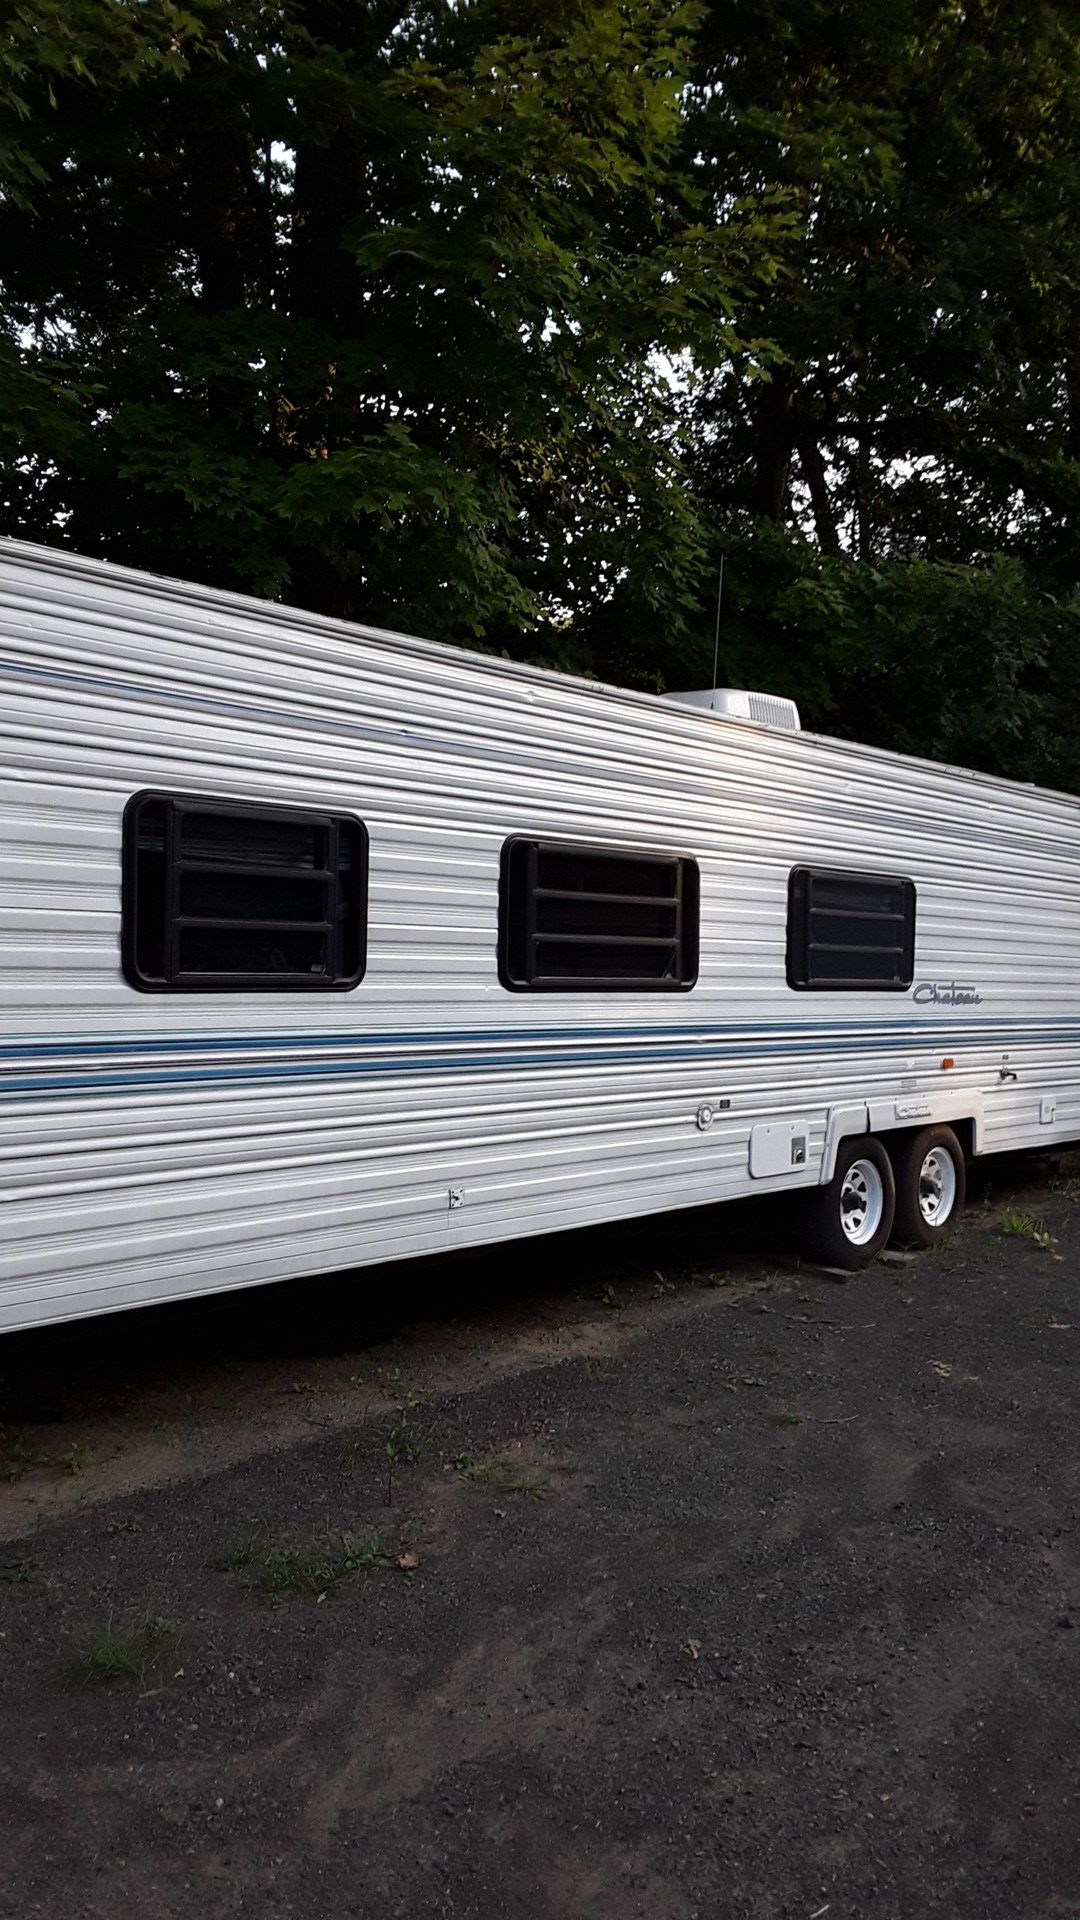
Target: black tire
915,1189
824,1235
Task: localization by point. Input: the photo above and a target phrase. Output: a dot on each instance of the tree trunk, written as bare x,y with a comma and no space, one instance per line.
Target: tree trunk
772,451
813,467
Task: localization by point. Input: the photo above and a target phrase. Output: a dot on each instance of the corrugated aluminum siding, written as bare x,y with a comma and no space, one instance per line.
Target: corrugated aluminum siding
157,1145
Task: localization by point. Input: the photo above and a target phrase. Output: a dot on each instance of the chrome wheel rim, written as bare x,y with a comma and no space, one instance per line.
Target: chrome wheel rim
862,1202
937,1187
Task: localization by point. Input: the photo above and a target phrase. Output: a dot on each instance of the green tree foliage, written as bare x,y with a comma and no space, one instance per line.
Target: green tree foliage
359,304
501,319
925,305
53,51
976,664
898,497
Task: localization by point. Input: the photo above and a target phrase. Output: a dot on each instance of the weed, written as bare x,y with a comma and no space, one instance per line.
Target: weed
1024,1226
24,1569
240,1556
789,1417
19,1454
351,1446
314,1566
130,1653
674,1278
494,1472
406,1445
608,1297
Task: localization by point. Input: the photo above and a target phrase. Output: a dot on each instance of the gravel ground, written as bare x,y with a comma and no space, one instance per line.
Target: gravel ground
591,1579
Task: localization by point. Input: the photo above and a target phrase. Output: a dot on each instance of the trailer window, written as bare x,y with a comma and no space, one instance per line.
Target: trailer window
850,930
597,918
221,896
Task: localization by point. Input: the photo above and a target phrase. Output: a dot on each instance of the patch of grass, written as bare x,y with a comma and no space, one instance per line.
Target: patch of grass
18,1454
240,1555
351,1445
945,1255
316,1565
124,1653
409,1440
678,1279
789,1417
491,1471
597,1364
25,1569
1024,1226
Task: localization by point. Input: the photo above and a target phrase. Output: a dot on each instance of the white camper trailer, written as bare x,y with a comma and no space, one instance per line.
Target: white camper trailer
322,946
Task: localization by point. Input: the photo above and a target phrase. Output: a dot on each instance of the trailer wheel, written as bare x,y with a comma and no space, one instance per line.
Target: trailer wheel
846,1223
930,1183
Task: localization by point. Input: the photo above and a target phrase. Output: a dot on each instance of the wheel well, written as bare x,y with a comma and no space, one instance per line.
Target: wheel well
963,1129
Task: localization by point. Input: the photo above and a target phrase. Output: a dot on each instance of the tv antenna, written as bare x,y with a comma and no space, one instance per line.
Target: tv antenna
716,647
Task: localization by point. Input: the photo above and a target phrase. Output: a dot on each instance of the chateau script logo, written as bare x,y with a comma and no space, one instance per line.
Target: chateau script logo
948,993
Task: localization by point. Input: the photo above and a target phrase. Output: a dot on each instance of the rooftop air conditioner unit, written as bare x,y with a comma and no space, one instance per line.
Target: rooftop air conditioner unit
764,709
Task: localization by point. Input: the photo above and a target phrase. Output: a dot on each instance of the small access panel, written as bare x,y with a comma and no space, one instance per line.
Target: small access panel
778,1146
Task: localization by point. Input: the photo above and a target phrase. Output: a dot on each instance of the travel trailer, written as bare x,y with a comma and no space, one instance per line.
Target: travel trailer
321,946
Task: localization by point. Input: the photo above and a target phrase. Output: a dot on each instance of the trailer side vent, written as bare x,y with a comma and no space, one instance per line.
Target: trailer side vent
764,709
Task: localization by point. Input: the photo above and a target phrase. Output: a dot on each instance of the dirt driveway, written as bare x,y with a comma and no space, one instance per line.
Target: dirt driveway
619,1575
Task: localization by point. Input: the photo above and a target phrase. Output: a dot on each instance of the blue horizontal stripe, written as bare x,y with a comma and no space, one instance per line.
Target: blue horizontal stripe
471,1052
330,1040
764,1033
